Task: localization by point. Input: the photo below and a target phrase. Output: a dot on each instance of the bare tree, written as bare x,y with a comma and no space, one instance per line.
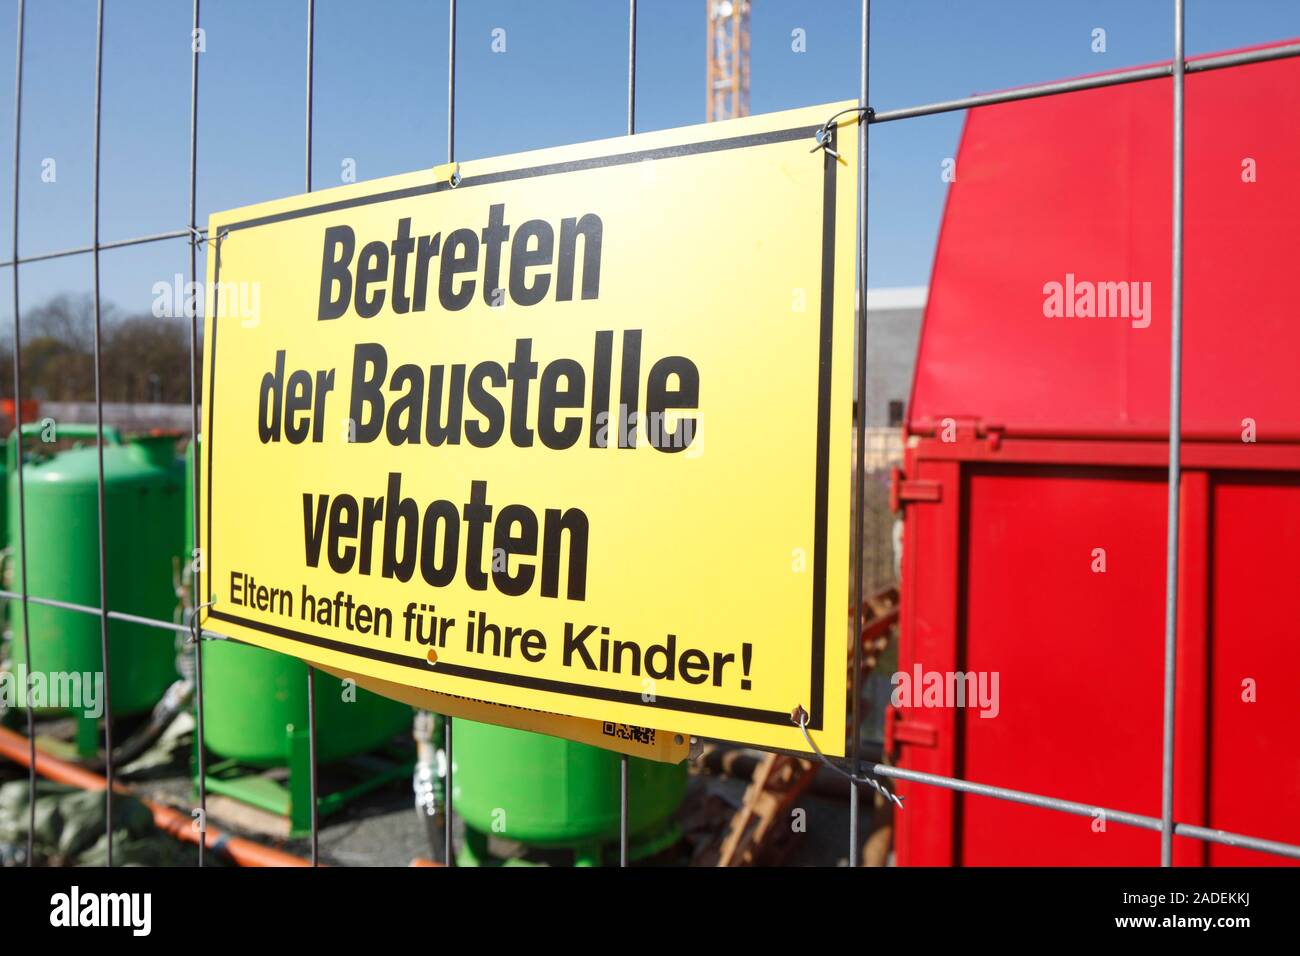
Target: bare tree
144,358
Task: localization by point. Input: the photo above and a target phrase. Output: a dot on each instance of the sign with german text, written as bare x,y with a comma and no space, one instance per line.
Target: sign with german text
566,430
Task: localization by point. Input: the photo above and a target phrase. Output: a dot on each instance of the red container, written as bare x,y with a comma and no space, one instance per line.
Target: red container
30,409
1037,446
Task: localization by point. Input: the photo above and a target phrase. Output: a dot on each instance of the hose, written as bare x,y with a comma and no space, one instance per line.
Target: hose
174,702
168,819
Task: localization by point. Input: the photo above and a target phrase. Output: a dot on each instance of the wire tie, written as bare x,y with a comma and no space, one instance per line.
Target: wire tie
194,619
800,717
199,236
823,134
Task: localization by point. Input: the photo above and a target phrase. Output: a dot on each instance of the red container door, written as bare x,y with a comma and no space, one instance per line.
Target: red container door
1079,656
1004,575
1254,707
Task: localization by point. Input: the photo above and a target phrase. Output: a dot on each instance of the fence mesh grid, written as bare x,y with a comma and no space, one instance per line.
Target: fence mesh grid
874,450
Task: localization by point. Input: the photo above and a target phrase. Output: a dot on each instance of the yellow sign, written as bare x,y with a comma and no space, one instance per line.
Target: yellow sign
644,742
567,430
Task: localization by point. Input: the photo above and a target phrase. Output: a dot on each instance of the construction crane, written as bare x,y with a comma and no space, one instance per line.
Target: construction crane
727,91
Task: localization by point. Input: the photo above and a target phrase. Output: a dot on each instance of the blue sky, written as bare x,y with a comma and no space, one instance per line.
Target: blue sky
381,98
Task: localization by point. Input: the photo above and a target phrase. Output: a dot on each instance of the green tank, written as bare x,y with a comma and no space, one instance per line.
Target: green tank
254,700
4,500
553,793
142,505
5,581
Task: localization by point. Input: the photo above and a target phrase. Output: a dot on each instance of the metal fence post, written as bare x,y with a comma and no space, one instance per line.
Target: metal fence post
859,463
196,563
99,446
1175,450
18,436
311,671
624,812
449,855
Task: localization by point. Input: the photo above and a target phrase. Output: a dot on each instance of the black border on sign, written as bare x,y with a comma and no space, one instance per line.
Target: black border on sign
820,503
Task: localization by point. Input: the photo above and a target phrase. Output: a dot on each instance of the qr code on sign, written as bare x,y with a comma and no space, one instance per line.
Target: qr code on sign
640,735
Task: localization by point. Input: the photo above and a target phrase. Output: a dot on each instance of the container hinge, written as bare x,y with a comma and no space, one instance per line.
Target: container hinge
917,489
900,730
964,431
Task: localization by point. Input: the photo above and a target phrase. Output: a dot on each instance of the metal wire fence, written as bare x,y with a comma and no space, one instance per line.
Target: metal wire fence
1174,71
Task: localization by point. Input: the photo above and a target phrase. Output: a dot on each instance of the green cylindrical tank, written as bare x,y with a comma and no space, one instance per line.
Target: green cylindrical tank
142,508
550,792
254,698
4,529
4,500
